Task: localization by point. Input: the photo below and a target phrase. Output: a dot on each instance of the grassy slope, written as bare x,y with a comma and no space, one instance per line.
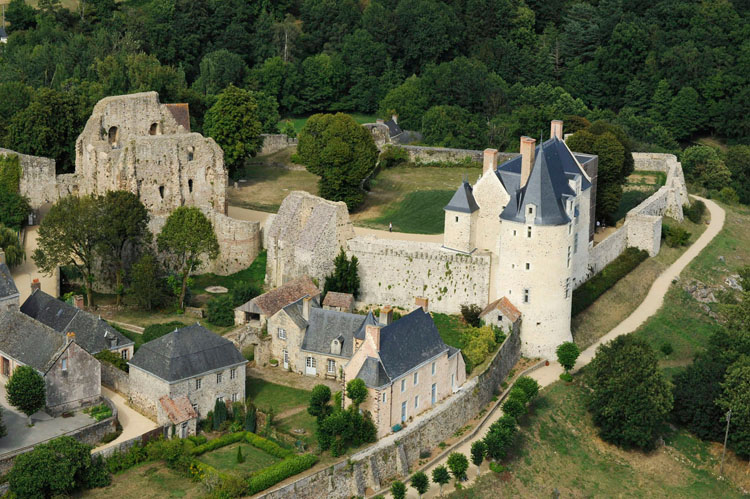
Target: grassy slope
559,449
301,420
300,121
148,481
264,395
449,327
419,212
255,273
225,458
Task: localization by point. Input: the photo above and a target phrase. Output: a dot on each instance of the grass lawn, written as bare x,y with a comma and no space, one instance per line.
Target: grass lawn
301,420
281,398
681,321
255,273
225,458
419,212
624,297
559,449
449,327
145,318
148,481
300,121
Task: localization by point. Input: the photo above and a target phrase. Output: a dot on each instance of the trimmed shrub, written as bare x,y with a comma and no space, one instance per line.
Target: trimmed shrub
250,419
216,443
275,473
529,386
592,289
240,457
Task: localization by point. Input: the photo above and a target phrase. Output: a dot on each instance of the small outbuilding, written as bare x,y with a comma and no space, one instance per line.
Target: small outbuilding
340,302
502,313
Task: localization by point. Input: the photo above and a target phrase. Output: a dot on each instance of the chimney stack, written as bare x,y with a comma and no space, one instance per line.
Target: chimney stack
306,307
556,129
78,301
423,302
70,338
528,146
374,333
490,161
394,117
386,315
2,256
35,285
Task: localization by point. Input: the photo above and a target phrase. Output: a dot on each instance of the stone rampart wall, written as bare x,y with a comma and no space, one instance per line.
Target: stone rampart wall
642,227
115,379
38,182
274,142
393,456
393,272
424,154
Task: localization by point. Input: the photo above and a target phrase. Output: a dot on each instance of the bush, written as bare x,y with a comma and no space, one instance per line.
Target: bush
158,330
728,195
221,311
250,418
198,439
674,236
497,467
666,348
217,443
272,475
220,413
479,343
240,457
567,354
514,407
592,289
393,156
121,461
567,377
470,313
112,358
695,211
99,412
458,464
529,386
244,291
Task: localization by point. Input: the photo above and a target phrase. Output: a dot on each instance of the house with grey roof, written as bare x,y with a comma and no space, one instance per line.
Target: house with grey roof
190,362
407,369
257,311
9,295
71,375
92,333
314,341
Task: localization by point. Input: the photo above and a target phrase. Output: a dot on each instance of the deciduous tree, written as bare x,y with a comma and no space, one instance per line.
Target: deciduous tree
567,354
9,243
26,390
441,476
187,237
458,465
478,451
420,482
356,390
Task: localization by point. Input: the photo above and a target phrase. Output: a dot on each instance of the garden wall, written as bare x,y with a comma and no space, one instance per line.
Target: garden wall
115,379
393,272
274,142
393,456
424,154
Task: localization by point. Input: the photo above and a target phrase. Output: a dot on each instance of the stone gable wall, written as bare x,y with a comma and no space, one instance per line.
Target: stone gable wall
393,272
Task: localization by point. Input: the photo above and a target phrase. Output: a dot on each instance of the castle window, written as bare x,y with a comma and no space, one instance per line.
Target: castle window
161,191
575,243
416,378
331,366
190,151
568,256
64,364
531,210
190,185
456,219
384,397
526,295
198,384
514,232
528,266
499,318
567,287
113,136
528,231
154,129
282,334
403,385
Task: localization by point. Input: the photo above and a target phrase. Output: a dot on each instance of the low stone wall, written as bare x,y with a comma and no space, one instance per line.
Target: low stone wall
115,379
425,154
274,142
91,435
127,444
393,456
393,272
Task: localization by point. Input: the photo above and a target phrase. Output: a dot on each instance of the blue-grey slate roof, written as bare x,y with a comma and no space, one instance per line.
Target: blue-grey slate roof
3,34
463,200
185,353
373,373
326,325
93,334
370,320
409,342
7,284
393,128
547,188
29,341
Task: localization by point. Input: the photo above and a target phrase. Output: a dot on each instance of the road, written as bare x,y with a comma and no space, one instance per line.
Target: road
549,374
133,423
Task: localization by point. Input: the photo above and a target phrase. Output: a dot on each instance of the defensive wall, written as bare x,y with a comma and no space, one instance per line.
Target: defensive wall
394,456
393,272
274,142
642,226
424,154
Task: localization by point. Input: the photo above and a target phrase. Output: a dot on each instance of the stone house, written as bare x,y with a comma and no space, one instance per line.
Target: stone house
71,375
407,368
314,341
503,314
9,294
93,333
190,363
257,311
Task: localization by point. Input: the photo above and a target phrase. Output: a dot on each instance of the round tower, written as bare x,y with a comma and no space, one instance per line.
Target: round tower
536,252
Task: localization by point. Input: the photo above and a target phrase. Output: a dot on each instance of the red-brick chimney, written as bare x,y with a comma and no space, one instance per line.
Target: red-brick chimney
490,161
528,146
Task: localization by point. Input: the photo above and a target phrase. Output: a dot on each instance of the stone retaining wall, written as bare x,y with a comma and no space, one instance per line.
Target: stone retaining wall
115,379
393,456
424,154
274,142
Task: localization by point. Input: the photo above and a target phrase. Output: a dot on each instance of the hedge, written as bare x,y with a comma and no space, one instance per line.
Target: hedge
592,289
268,477
258,442
216,443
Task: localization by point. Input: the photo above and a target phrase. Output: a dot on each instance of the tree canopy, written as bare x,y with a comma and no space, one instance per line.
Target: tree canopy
26,390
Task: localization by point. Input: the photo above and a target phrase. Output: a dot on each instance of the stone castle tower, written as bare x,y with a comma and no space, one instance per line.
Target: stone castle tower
532,214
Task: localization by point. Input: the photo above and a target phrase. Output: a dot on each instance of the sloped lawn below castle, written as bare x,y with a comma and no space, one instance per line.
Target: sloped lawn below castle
559,449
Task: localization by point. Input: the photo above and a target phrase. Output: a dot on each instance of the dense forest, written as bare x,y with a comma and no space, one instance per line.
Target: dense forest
468,73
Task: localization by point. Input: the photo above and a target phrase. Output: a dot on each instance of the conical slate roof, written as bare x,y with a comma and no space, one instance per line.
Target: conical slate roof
547,188
463,200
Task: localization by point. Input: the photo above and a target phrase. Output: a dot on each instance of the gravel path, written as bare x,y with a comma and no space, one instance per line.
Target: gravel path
549,374
133,423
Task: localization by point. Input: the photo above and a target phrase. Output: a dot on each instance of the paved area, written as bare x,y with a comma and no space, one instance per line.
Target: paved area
45,426
133,423
549,374
23,274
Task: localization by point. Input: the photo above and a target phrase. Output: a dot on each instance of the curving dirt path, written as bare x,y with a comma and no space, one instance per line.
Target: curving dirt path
549,374
133,423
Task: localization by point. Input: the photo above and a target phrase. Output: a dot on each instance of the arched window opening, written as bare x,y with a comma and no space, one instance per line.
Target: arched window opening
113,136
161,191
154,130
190,185
190,151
